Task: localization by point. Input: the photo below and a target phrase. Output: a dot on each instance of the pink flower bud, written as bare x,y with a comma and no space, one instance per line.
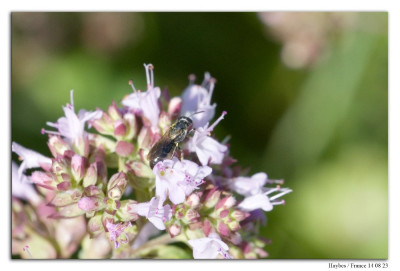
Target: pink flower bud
95,225
88,203
224,213
57,146
174,106
44,179
114,112
63,186
124,148
174,230
93,190
190,216
207,227
116,186
212,198
90,176
239,215
125,211
233,225
225,203
222,228
78,165
119,128
193,200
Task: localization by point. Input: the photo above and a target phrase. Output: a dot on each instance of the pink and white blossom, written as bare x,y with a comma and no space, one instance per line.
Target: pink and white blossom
197,98
153,211
117,234
146,103
30,159
21,187
249,185
208,150
72,126
209,247
177,179
264,200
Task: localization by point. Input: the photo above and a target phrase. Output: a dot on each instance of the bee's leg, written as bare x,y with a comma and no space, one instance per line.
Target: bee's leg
192,131
176,147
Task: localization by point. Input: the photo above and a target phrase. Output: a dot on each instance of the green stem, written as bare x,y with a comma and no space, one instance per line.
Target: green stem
161,240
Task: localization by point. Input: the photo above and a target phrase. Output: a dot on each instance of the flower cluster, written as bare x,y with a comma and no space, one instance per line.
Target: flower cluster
118,206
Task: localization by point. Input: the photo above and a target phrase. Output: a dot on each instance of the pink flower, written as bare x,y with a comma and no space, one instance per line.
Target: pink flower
197,98
209,247
208,150
31,159
262,200
146,102
177,179
153,211
117,234
72,126
249,185
22,188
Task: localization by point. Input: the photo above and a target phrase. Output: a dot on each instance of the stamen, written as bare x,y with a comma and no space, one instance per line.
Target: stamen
192,79
206,80
284,191
71,94
43,131
211,89
149,75
211,128
26,249
132,85
281,202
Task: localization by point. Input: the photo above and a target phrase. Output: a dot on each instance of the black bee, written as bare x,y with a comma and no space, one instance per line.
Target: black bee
167,144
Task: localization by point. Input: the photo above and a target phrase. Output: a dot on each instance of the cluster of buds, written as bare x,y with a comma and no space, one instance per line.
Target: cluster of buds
118,204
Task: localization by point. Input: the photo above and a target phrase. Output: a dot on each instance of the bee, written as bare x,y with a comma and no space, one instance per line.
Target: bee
165,147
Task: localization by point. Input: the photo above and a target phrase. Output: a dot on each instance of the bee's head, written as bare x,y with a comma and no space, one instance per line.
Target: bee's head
185,121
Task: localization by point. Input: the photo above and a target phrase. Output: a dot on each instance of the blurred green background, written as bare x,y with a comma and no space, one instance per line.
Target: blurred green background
306,96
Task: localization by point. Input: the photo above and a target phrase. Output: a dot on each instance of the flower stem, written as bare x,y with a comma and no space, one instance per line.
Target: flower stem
161,240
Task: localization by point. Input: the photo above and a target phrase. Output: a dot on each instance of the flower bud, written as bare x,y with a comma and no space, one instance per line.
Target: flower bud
233,225
124,213
114,112
57,146
130,122
81,145
104,125
116,186
44,179
64,198
89,204
174,106
119,128
90,176
193,200
78,165
95,225
93,190
124,148
222,228
68,211
64,186
212,198
190,216
225,203
239,215
174,230
140,169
